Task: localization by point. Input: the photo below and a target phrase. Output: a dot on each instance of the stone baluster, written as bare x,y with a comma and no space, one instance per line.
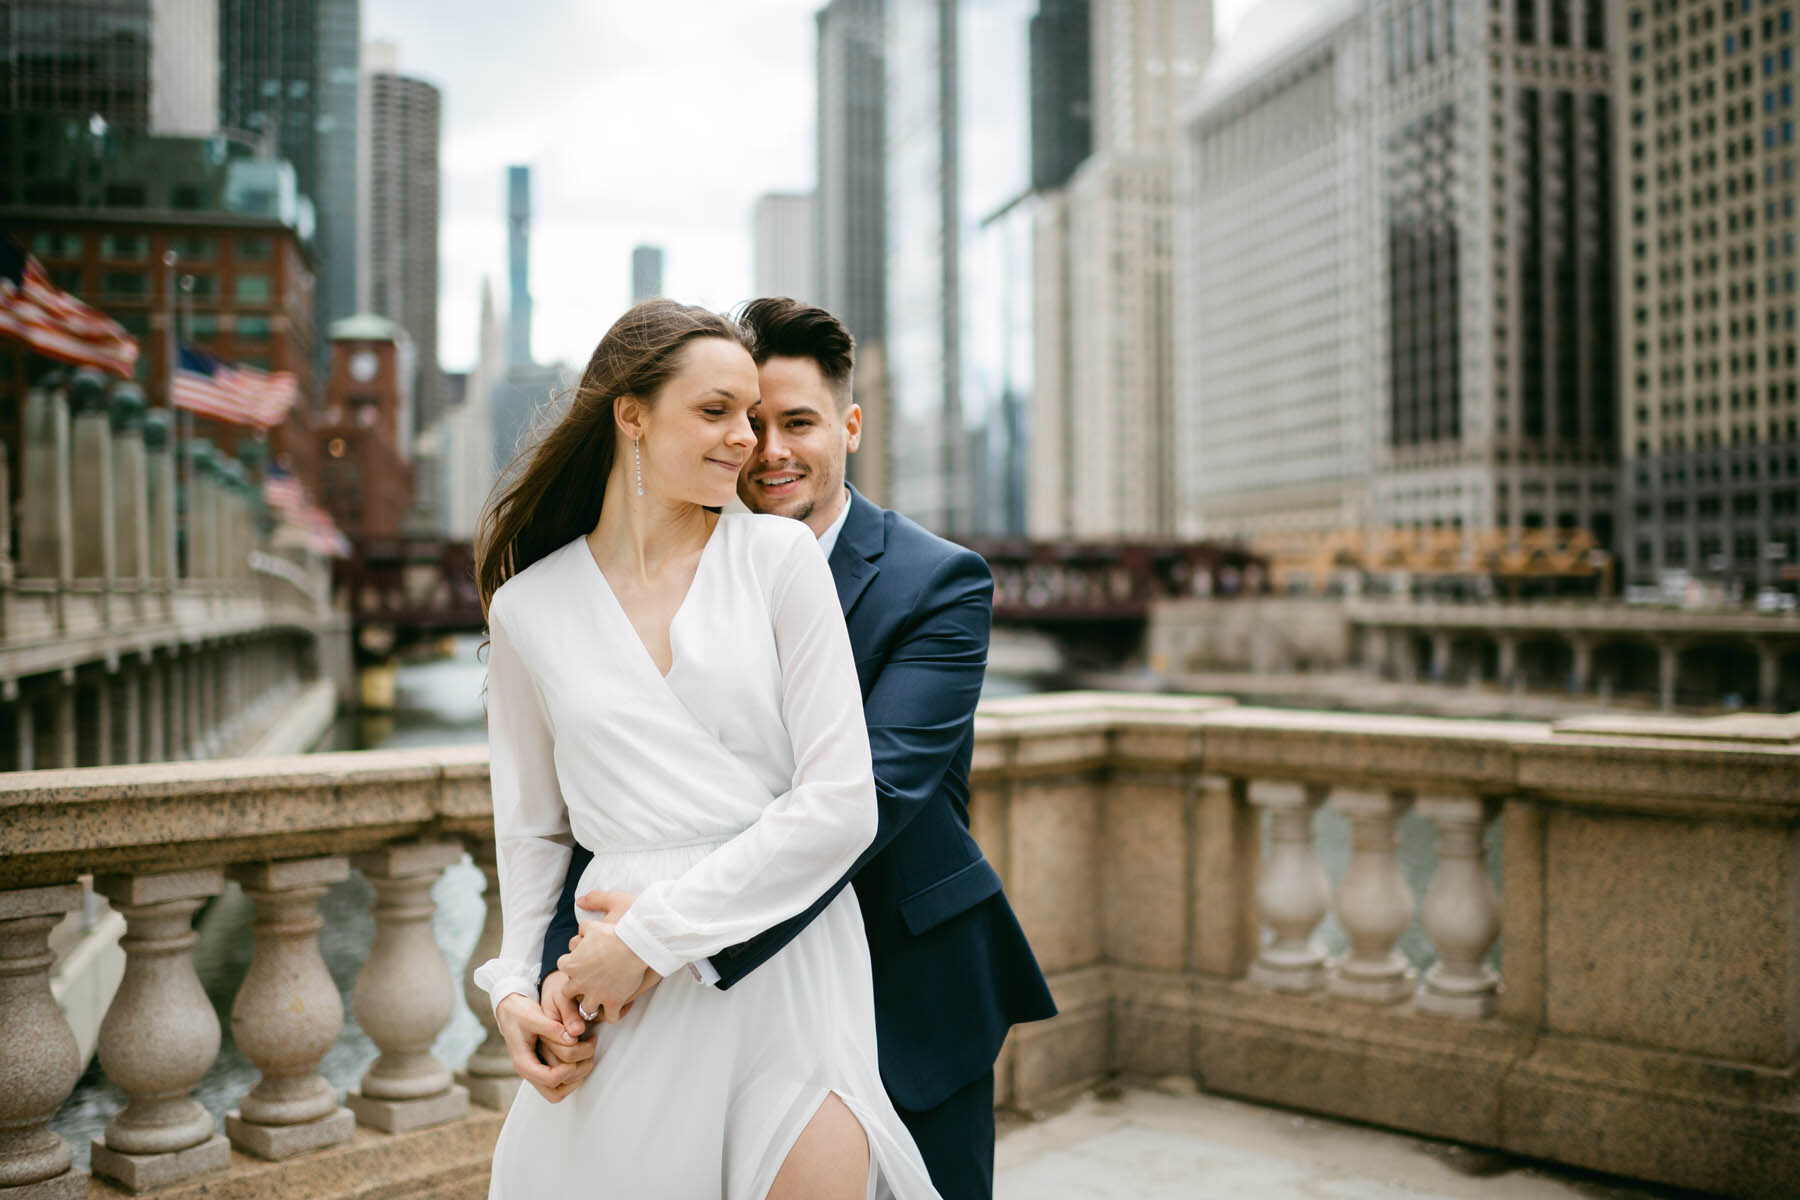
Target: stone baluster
131,511
96,547
489,1074
39,1059
160,1035
288,1014
1292,892
159,475
1373,903
1461,911
47,520
405,994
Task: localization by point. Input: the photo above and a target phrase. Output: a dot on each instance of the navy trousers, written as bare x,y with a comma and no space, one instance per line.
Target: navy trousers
957,1141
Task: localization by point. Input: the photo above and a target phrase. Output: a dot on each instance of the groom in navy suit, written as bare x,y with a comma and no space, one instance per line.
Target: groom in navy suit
952,969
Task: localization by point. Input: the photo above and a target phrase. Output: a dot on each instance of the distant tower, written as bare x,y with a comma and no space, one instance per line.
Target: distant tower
518,243
646,273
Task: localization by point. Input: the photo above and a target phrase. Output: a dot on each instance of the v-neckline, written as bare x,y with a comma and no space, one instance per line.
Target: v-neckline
587,552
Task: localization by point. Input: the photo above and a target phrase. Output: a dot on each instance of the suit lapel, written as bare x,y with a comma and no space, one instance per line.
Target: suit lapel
860,542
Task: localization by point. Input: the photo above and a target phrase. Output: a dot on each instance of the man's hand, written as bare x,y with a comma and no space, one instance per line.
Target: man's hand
523,1025
604,974
559,1006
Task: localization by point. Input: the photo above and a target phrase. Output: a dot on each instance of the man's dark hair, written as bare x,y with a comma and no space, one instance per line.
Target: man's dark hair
779,327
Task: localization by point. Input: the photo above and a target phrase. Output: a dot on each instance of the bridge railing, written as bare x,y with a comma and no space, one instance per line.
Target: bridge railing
107,547
1578,946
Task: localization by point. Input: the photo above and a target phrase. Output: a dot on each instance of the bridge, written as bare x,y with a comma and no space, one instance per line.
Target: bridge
398,590
1593,967
145,616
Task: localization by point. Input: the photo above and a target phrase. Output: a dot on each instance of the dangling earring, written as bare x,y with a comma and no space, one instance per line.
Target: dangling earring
637,453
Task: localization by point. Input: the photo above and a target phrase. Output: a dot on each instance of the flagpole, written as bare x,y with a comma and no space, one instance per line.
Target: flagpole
182,471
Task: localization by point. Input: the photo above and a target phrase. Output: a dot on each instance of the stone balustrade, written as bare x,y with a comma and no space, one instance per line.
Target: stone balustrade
1214,891
148,614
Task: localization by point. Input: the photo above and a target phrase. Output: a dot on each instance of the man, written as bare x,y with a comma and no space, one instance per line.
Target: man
952,970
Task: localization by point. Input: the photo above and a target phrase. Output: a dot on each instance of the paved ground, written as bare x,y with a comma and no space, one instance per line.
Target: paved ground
1166,1142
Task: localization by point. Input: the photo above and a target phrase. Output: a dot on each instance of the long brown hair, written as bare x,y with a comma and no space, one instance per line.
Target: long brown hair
551,491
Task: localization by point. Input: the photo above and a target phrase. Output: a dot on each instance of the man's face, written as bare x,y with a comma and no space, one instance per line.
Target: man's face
802,443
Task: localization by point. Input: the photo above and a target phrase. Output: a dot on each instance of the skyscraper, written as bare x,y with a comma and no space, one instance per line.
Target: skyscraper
1274,285
782,246
137,65
926,457
1147,58
850,206
1062,98
290,76
1705,170
646,273
518,265
403,182
1494,348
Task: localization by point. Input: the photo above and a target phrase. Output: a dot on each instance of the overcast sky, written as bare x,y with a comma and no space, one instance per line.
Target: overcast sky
654,122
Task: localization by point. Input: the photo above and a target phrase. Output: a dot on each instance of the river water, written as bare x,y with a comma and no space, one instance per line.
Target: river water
439,703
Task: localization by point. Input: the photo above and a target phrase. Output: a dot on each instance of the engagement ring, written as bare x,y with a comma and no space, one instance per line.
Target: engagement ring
585,1014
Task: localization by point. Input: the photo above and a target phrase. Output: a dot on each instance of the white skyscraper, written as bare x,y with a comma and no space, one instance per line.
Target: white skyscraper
782,247
1115,463
1274,282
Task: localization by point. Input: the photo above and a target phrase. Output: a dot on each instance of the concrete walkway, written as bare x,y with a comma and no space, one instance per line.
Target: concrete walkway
1167,1142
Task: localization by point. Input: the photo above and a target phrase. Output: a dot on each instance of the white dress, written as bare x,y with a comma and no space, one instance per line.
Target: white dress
728,796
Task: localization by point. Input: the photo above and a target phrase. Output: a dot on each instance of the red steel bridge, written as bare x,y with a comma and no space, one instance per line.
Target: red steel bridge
400,590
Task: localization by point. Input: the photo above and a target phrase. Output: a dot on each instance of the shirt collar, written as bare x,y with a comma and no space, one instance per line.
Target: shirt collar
828,539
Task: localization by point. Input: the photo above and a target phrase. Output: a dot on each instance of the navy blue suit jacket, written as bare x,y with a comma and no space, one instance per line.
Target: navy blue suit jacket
952,968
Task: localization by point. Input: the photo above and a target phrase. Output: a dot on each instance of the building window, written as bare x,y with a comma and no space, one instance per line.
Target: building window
252,288
195,249
132,284
56,245
253,328
125,247
253,249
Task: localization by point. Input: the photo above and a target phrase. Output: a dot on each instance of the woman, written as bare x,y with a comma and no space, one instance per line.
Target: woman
675,688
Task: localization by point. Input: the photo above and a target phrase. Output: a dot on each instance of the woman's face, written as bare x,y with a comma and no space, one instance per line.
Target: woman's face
696,436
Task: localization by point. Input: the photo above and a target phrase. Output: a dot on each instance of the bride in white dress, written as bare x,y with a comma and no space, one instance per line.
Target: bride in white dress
674,688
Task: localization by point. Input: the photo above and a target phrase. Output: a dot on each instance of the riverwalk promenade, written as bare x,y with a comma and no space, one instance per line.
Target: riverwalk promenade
1601,970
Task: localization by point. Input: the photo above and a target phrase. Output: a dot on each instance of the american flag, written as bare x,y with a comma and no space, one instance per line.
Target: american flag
283,492
55,324
237,395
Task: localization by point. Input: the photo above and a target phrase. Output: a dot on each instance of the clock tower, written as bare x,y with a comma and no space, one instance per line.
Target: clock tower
364,452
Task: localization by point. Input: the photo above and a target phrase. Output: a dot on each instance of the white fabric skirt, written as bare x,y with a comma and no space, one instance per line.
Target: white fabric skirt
699,1093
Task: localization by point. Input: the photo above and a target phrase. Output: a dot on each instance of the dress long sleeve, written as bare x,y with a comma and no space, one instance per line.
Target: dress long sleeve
807,837
531,822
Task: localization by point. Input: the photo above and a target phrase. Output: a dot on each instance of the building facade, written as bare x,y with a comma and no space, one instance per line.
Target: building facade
850,202
995,227
1114,295
1274,281
850,209
101,216
646,273
290,80
1704,168
364,440
1062,92
781,246
518,265
926,457
1495,318
402,220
